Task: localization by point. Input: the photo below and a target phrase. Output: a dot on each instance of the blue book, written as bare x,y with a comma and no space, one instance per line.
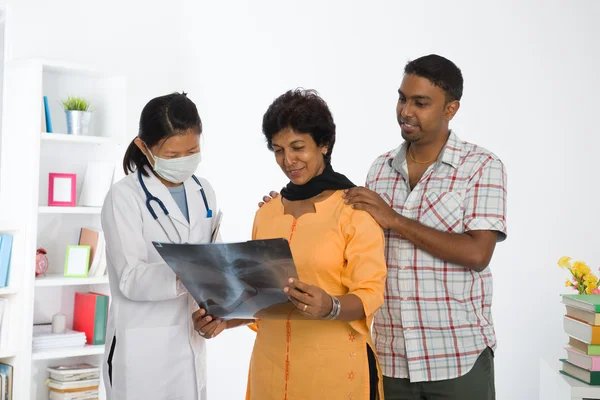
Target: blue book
47,112
5,251
7,371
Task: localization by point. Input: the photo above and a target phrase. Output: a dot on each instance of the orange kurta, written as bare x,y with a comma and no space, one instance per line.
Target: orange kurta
340,250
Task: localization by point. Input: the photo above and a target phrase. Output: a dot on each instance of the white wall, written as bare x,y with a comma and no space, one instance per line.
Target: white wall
531,85
531,82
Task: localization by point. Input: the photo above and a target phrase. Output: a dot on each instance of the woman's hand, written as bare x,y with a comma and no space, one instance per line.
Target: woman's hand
311,300
206,326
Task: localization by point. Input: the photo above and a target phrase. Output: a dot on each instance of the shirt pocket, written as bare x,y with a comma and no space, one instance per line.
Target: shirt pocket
443,211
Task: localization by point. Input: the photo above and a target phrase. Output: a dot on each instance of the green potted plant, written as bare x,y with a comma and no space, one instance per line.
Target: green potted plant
78,114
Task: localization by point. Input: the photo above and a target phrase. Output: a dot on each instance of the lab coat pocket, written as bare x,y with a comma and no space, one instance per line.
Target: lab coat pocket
443,211
159,363
202,230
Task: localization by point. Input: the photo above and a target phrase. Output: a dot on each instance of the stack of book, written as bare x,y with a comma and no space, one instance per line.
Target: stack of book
582,324
44,339
90,316
73,382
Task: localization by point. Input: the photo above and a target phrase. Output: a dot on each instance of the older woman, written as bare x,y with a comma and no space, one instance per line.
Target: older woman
323,350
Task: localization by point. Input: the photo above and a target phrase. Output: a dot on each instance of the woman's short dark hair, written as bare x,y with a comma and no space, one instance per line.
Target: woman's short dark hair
163,117
303,111
440,71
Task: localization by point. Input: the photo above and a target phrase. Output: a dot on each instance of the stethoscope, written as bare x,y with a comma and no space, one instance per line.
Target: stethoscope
150,198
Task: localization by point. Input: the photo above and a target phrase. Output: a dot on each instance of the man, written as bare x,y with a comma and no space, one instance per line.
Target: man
442,204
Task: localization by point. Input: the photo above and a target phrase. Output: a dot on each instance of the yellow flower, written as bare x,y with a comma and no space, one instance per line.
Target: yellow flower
590,278
579,268
568,283
564,261
588,275
590,287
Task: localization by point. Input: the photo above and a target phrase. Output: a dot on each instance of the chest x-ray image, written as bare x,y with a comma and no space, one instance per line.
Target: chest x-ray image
233,280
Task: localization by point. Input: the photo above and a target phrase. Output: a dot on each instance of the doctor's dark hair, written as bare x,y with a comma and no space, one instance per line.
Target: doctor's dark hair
163,117
303,111
440,71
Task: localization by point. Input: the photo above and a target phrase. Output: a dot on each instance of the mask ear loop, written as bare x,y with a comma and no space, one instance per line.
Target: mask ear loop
151,155
201,144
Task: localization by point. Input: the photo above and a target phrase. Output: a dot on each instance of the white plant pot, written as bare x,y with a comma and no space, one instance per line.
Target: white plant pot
78,122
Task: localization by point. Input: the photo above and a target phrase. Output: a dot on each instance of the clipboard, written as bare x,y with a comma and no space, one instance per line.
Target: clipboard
216,227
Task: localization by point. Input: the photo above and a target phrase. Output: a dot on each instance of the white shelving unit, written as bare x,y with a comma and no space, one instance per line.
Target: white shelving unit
11,346
52,228
5,291
58,280
87,350
69,210
8,353
66,138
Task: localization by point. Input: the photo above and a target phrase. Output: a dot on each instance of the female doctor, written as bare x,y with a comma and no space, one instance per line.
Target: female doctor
152,350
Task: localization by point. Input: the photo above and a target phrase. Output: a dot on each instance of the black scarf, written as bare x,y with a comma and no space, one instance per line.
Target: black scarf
328,180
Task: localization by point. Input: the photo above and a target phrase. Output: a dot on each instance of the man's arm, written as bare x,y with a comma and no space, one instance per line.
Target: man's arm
472,249
484,223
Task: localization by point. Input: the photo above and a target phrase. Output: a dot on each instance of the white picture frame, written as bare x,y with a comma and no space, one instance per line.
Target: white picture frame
96,183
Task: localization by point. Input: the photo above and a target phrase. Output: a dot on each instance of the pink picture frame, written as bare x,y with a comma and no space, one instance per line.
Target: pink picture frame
62,190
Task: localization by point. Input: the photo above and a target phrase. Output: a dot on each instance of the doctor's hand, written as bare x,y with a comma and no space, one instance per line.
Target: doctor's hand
206,325
311,300
272,194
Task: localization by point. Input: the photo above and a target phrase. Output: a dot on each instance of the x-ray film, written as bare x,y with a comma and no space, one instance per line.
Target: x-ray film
234,280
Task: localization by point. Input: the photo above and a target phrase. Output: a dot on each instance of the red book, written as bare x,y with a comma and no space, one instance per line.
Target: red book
90,315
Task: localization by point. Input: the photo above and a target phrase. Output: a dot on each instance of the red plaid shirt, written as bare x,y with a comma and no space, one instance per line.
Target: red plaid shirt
436,318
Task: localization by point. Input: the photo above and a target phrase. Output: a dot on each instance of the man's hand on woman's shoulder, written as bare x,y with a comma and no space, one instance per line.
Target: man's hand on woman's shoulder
272,194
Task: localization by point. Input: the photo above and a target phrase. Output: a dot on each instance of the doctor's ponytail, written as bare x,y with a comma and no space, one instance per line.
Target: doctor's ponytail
161,118
134,159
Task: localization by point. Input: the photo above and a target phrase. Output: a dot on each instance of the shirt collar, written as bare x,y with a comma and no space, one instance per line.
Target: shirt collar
450,154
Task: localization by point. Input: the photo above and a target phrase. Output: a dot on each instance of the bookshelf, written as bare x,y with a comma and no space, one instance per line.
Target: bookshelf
65,138
25,195
7,353
13,348
8,291
52,280
69,210
54,354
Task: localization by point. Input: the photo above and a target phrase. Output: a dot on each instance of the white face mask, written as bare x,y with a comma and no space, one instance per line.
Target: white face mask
176,170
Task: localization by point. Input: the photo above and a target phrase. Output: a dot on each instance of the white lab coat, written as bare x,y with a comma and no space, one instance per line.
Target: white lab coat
157,354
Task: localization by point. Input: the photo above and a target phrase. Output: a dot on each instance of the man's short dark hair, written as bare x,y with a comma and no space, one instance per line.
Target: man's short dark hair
440,71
